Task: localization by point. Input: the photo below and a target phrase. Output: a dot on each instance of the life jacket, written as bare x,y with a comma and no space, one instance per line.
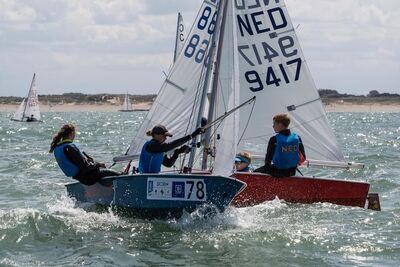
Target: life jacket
287,151
249,168
150,162
69,168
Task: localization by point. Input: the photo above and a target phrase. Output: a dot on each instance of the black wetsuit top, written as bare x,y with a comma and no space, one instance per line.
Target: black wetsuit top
84,164
90,171
269,167
157,147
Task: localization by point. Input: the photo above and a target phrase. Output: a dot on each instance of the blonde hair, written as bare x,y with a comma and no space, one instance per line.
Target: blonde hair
246,155
65,130
283,118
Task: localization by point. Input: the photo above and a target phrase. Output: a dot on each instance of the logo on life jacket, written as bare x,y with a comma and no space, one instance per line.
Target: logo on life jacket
289,148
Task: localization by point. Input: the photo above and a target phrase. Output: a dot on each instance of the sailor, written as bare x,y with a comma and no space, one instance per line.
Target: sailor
31,118
285,150
153,151
243,162
74,162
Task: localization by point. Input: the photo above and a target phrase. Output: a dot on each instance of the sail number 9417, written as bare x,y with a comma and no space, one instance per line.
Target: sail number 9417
273,76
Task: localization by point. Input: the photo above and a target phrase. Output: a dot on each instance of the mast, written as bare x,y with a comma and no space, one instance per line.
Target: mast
29,94
220,17
214,90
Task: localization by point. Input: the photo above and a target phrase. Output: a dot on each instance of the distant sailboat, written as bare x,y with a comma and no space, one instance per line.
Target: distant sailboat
126,106
29,110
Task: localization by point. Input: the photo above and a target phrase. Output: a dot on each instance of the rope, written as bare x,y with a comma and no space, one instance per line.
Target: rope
248,121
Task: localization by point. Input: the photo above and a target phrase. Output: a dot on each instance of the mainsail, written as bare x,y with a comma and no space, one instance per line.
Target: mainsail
272,67
180,36
126,106
176,105
30,108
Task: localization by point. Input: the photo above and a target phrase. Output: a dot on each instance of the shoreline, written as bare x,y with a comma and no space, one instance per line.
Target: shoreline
366,107
73,107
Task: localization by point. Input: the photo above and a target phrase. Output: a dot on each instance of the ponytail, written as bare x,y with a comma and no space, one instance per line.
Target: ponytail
66,130
149,133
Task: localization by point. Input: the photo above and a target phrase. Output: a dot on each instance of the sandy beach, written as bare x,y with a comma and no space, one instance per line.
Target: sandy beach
72,107
348,107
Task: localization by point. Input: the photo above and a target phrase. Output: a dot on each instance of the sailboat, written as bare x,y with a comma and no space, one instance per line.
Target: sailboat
269,64
29,110
176,106
126,106
240,64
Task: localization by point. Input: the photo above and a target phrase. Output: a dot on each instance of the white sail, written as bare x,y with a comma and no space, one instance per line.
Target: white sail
29,110
19,114
272,67
177,102
32,110
126,106
228,98
180,36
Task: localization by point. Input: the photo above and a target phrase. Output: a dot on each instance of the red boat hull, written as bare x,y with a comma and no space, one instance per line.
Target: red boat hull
262,187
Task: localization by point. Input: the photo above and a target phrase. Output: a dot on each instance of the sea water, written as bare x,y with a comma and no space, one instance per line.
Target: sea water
41,226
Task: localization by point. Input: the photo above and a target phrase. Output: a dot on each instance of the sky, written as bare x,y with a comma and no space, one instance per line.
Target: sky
115,46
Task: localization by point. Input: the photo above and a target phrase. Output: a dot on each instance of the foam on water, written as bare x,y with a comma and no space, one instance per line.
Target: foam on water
40,226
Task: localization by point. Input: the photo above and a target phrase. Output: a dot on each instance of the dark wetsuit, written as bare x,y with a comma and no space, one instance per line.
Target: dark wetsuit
269,167
157,147
89,170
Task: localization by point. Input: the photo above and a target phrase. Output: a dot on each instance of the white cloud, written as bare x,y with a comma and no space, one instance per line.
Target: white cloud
114,38
16,16
111,61
350,38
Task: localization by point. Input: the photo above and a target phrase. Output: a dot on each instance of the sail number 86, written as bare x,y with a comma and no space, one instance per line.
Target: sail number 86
192,47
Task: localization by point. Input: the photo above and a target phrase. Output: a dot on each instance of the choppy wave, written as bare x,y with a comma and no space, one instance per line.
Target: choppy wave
40,226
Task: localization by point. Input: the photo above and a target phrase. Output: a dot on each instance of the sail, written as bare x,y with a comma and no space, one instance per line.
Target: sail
32,105
126,106
180,36
19,114
272,67
228,98
177,103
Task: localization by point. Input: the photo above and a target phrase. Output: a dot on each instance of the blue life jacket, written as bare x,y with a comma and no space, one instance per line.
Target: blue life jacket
150,162
287,154
69,168
249,168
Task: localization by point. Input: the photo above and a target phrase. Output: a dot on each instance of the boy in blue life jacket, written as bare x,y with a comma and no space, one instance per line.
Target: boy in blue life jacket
285,150
153,151
74,162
